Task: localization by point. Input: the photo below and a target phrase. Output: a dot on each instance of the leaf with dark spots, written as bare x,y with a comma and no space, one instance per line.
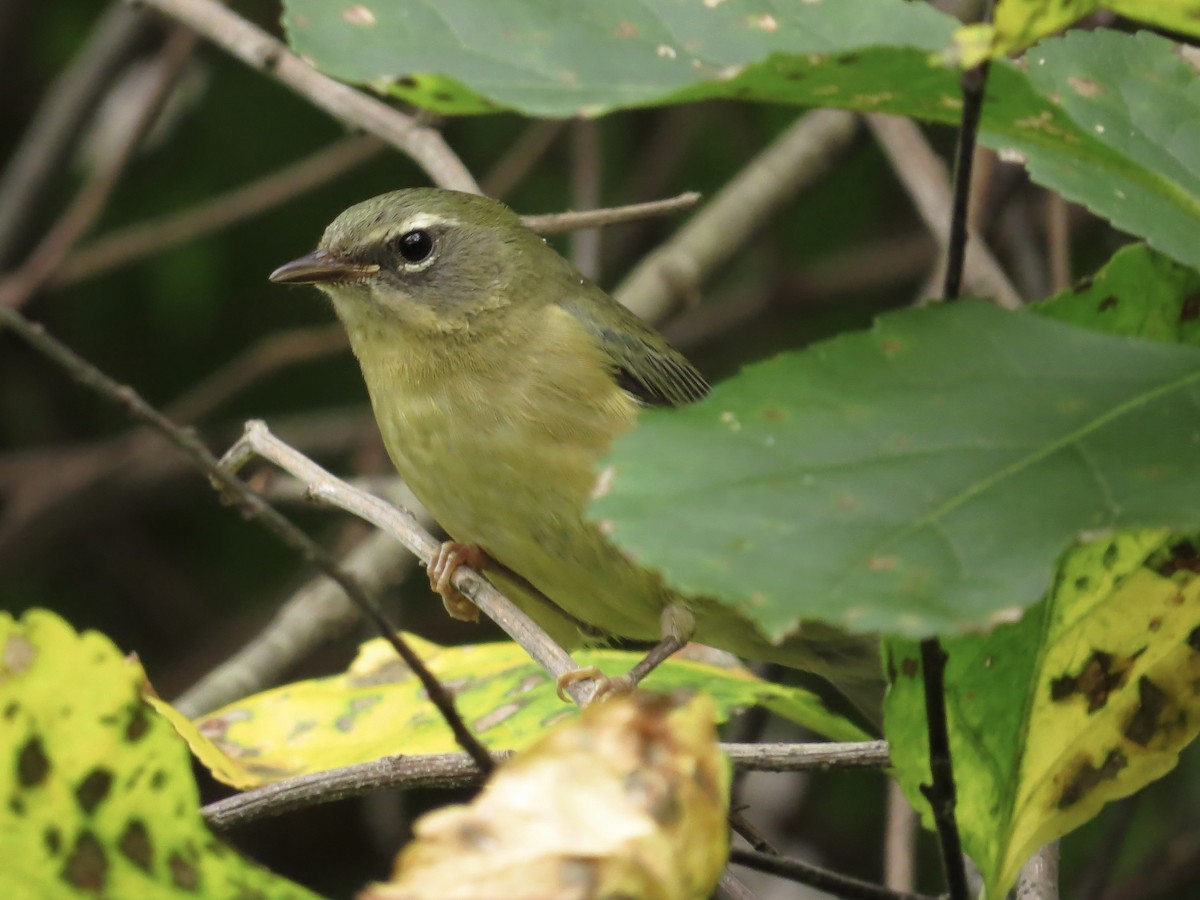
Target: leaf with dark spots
136,846
183,873
1088,776
87,866
32,764
1145,721
93,789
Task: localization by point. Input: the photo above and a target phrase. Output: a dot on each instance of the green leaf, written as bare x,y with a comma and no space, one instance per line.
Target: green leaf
1136,157
1109,120
920,478
1020,23
379,708
1138,293
99,799
547,58
1087,699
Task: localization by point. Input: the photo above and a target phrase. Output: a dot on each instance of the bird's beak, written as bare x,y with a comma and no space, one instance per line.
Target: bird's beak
321,267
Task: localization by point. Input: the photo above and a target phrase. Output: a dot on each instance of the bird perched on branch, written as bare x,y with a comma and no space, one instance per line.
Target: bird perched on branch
500,377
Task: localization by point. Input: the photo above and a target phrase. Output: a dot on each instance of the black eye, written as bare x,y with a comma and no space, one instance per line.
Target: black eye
414,246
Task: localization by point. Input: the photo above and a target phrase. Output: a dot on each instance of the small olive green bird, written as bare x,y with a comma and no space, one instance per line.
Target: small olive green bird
500,377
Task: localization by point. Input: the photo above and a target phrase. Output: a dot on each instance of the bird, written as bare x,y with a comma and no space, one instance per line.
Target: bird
499,377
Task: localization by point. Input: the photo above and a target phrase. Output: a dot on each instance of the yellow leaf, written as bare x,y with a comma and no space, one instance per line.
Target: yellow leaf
1090,697
378,708
1019,24
99,799
628,800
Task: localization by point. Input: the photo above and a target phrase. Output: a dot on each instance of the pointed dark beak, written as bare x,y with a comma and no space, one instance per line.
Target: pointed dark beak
321,267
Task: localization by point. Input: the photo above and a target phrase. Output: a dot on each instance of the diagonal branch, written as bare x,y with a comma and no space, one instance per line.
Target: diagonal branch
257,49
403,526
39,267
251,505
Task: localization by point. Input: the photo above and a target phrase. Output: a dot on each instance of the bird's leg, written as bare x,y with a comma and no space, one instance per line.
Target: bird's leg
442,566
678,626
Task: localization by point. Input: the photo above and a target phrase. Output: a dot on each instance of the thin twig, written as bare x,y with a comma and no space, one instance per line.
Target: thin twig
88,204
797,158
324,487
730,887
1039,876
127,245
750,832
451,770
1058,240
250,505
974,80
585,194
554,223
923,174
441,770
899,841
260,51
814,876
60,119
941,793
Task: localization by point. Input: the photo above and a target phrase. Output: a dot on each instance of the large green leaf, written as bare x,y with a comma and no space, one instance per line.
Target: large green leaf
99,799
1087,699
1138,101
1109,120
922,477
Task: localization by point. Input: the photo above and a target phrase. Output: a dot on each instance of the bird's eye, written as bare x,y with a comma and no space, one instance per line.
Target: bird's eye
414,246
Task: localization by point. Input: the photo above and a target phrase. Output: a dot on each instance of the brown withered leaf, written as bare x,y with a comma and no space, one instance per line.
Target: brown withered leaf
627,800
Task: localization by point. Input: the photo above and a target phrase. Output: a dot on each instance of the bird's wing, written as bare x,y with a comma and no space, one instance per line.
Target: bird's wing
643,363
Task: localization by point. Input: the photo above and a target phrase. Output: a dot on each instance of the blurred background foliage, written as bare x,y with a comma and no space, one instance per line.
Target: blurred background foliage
142,550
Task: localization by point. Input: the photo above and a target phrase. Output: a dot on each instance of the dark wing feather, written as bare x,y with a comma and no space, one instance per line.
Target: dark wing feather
643,363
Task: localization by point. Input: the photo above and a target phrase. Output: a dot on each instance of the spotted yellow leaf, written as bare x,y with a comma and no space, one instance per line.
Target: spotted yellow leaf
378,708
1088,698
99,799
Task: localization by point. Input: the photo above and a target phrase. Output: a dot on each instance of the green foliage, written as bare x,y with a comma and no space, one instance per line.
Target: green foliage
1108,120
919,478
99,795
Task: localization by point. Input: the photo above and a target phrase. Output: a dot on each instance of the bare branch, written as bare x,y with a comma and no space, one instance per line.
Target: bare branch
1039,876
924,176
586,172
402,525
554,223
61,117
127,245
87,205
796,159
814,876
251,506
257,49
899,841
449,770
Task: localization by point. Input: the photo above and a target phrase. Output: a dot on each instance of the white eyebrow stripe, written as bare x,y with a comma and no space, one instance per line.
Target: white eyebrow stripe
427,220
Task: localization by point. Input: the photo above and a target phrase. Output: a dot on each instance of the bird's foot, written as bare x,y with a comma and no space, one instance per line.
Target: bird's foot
442,566
678,625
